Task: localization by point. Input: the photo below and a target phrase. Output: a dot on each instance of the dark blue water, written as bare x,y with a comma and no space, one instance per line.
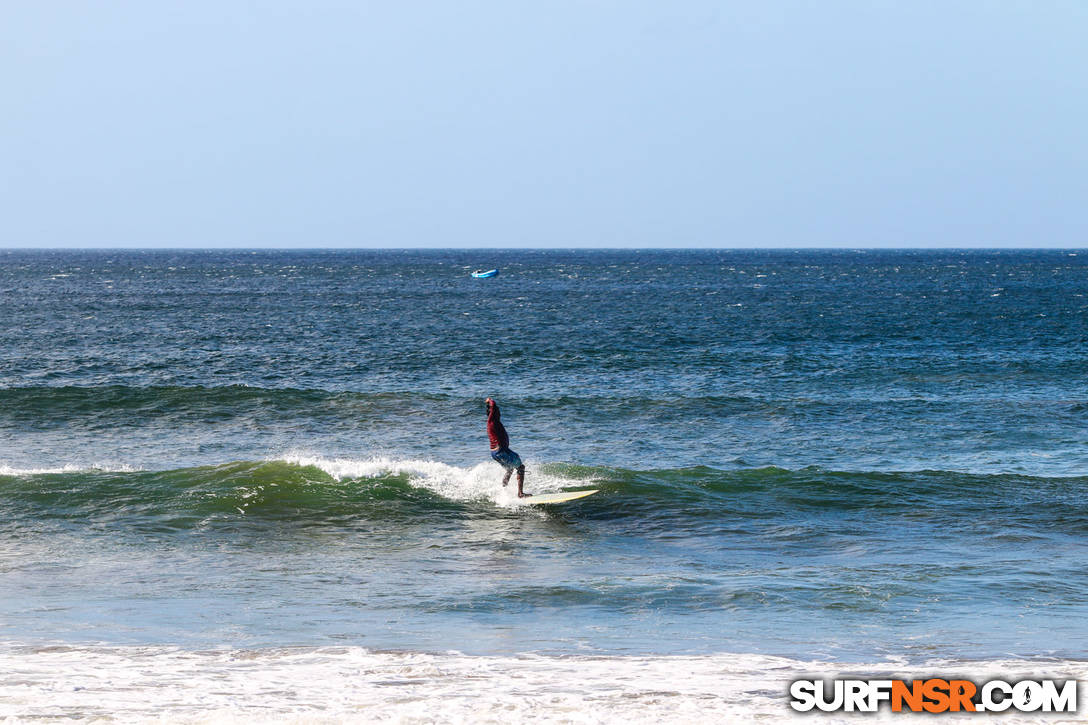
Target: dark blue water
807,453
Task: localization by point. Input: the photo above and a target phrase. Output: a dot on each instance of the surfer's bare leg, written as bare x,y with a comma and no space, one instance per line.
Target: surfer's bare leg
506,478
521,482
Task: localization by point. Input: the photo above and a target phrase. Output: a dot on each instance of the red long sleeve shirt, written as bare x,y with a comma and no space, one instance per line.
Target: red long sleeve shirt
495,430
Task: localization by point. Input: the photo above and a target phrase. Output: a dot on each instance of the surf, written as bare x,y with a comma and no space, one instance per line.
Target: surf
303,485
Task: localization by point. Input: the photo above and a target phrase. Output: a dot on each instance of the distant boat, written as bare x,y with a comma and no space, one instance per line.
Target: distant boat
480,274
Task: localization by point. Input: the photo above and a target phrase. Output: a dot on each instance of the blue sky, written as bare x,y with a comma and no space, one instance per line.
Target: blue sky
543,124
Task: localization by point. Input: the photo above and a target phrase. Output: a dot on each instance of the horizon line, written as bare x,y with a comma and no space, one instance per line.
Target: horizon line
533,249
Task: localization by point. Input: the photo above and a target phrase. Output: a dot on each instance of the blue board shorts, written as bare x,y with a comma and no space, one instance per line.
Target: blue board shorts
506,458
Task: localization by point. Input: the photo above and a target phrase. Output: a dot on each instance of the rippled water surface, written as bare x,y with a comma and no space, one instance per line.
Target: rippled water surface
848,454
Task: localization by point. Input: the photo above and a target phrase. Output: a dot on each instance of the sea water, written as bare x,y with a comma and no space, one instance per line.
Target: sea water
270,468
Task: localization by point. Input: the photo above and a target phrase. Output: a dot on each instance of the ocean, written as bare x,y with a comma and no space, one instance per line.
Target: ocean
256,484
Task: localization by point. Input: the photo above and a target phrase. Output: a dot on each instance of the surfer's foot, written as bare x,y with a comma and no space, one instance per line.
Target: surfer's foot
522,494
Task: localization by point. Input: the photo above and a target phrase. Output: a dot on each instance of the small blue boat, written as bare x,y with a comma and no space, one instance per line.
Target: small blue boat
478,274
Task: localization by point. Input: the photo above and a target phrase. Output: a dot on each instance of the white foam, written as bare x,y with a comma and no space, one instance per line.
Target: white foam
480,482
349,684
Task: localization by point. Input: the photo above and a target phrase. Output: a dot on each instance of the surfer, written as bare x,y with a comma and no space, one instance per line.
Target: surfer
500,448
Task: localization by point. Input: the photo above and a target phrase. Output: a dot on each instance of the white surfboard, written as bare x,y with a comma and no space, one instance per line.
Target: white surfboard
560,497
